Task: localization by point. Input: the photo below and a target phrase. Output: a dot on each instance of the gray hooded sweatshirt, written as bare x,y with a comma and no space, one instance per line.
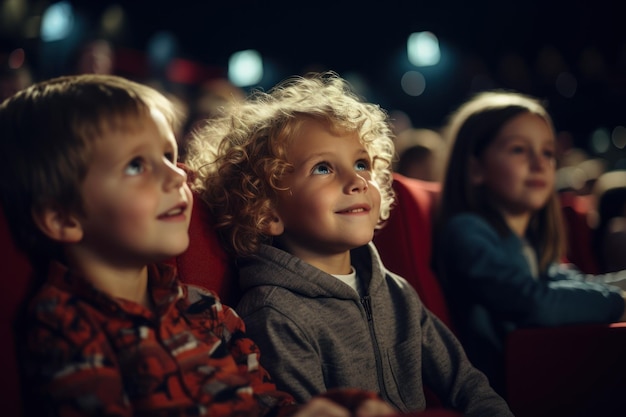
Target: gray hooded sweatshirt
316,333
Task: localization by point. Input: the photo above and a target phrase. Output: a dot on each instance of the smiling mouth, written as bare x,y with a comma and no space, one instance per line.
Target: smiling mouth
354,210
176,211
536,183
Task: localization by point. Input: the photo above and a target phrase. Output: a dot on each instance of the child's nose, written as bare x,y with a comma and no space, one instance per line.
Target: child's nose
356,184
175,176
539,161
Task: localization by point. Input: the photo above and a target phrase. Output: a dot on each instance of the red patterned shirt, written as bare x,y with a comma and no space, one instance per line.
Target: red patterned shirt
89,354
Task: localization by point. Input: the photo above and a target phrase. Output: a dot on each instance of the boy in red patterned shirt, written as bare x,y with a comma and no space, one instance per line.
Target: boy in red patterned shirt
92,190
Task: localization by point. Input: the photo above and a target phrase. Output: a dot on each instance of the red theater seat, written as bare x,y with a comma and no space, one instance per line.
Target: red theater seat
404,243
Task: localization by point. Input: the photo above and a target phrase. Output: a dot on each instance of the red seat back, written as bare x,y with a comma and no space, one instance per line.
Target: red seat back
568,371
205,263
575,209
402,252
14,285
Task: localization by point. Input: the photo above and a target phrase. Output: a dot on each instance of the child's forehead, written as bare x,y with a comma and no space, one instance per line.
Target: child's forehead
132,132
326,122
529,125
310,127
321,140
129,121
134,136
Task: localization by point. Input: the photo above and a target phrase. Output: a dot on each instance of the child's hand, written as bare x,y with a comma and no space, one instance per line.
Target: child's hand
359,403
374,408
322,407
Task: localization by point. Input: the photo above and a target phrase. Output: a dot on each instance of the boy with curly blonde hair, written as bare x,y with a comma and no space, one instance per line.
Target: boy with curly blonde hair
299,178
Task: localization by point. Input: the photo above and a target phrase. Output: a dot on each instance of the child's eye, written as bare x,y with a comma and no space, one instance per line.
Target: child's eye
548,153
170,156
321,169
362,165
517,149
135,167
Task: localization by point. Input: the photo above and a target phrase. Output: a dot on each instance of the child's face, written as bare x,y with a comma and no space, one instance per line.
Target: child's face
332,204
136,200
518,167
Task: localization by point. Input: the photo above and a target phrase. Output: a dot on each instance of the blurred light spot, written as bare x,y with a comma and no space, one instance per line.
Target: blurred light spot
57,21
161,49
95,57
618,137
566,84
113,20
600,140
245,68
12,13
423,49
570,178
413,83
17,57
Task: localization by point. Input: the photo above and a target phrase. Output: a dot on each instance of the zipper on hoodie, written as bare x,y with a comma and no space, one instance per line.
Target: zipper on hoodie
366,302
367,305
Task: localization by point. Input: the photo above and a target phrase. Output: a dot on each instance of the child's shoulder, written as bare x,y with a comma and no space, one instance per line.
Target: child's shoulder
468,230
55,307
468,222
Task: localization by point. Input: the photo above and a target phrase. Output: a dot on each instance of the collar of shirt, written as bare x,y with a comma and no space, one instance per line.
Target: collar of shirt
162,285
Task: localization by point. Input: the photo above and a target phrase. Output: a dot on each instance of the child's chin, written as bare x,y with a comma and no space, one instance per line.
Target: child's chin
173,252
364,240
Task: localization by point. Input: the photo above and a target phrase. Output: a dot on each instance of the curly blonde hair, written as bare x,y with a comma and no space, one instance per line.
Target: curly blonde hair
239,159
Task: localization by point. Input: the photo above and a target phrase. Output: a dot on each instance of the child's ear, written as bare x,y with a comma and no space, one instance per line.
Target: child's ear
276,227
476,175
58,225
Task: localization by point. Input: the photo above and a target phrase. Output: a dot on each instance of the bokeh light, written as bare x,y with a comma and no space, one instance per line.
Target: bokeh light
618,137
413,83
600,140
423,49
57,21
245,68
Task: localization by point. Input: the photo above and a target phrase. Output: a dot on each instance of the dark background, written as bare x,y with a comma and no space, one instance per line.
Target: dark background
520,45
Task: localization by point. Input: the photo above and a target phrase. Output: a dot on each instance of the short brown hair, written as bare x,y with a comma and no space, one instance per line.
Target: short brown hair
48,131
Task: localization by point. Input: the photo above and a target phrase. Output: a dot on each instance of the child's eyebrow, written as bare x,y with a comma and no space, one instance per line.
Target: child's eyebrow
315,156
525,138
327,154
